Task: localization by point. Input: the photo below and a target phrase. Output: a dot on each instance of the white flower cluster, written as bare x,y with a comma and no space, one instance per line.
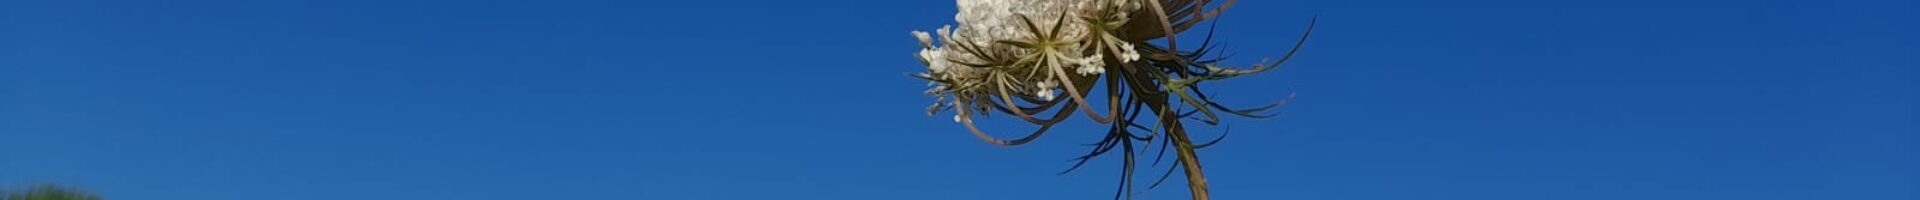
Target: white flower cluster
1018,45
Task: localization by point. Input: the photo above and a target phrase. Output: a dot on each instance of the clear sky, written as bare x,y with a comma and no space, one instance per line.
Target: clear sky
363,99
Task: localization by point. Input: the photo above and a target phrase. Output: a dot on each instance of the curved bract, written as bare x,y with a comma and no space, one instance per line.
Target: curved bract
1029,57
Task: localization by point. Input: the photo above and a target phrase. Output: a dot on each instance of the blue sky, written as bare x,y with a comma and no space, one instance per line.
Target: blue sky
356,99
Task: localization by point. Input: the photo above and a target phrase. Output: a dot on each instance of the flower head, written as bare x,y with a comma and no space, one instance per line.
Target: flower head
1019,44
1032,57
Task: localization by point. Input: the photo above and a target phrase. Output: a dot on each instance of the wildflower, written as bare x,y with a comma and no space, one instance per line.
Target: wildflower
1032,57
926,39
1127,53
1046,90
1091,64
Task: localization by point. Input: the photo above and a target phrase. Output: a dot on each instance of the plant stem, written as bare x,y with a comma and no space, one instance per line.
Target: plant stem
1196,179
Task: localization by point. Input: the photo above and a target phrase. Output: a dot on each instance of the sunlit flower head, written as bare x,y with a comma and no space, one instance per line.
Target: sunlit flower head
1041,60
1020,44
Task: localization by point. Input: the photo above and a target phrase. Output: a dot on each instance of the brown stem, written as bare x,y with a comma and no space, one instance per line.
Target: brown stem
1196,179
